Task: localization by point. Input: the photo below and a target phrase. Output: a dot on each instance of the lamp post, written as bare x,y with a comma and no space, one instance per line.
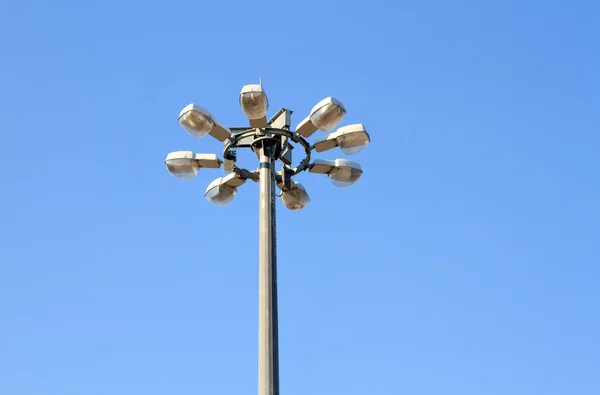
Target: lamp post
273,142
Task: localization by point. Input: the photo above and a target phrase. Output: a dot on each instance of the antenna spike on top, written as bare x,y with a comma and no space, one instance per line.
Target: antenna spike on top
260,81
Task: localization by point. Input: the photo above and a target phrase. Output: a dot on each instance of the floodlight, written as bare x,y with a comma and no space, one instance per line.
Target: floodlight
326,115
254,103
222,190
198,122
296,197
351,139
182,164
341,172
185,164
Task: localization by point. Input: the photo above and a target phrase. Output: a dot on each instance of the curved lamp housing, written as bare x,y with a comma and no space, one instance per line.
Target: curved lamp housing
185,164
351,139
296,197
222,190
198,122
341,172
326,115
254,102
181,164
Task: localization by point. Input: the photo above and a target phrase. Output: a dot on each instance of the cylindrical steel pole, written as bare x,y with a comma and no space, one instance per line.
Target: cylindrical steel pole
268,353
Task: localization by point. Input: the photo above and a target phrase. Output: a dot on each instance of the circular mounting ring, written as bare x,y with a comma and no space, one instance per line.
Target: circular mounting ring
269,133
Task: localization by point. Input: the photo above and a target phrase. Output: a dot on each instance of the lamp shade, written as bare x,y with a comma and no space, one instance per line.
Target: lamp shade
327,114
220,194
182,164
296,198
254,102
196,120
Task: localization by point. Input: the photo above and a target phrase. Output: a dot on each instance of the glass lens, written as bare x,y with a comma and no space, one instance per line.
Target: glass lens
344,176
295,199
353,142
184,169
254,104
221,195
328,117
196,123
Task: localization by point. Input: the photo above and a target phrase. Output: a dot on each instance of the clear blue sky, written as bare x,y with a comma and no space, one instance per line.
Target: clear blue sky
466,260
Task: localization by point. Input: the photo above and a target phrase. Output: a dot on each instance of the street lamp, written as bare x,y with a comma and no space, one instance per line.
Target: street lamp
351,139
254,103
272,141
341,172
295,197
199,122
185,164
326,115
222,190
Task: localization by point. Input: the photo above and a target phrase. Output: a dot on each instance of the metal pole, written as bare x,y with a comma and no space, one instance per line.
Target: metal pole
268,352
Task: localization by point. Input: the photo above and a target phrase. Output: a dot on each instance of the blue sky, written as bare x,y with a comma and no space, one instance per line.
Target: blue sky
465,261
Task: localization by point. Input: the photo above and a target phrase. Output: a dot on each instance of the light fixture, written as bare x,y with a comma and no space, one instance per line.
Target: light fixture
273,142
185,164
351,139
296,197
199,122
222,190
341,172
181,164
254,103
326,115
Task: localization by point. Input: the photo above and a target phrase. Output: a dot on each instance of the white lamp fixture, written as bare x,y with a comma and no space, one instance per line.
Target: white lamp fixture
341,172
326,115
254,103
295,198
351,139
198,122
181,164
185,164
222,190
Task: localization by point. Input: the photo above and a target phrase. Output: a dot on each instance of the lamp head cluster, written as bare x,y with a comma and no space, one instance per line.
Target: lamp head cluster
324,116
